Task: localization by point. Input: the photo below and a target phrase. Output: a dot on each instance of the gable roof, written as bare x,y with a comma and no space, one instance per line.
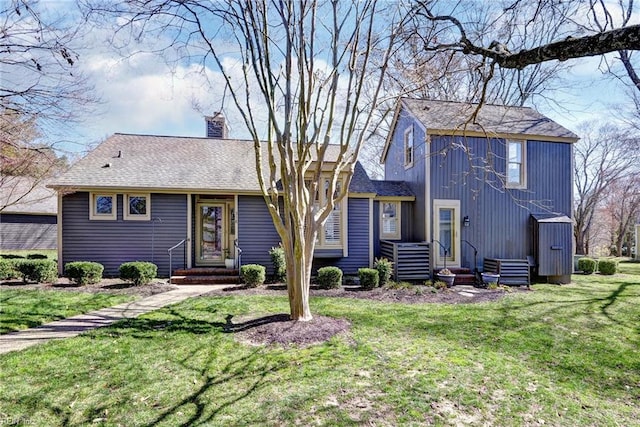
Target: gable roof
495,121
27,195
169,163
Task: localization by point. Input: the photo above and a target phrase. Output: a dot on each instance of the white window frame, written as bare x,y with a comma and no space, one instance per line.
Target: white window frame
522,183
409,147
453,260
398,234
93,212
342,210
128,216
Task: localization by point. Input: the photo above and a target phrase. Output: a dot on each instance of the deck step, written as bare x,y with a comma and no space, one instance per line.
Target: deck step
204,280
464,279
206,271
205,276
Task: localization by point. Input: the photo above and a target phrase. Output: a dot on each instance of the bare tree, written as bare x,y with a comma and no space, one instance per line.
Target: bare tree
42,91
604,157
622,205
305,77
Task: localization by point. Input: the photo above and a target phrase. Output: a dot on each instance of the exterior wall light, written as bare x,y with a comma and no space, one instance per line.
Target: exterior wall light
466,221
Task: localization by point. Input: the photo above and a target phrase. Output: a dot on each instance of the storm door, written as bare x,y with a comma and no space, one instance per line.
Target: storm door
446,214
210,233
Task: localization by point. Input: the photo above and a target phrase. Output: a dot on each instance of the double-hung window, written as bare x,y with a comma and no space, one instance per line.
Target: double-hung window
390,220
408,147
330,234
516,164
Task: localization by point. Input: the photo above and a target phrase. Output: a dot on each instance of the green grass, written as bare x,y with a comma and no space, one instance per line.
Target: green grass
559,355
50,253
21,309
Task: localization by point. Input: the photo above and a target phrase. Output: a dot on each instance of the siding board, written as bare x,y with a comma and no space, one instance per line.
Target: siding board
28,231
113,242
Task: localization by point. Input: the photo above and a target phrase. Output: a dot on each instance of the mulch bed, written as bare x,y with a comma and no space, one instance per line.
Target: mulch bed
279,329
109,286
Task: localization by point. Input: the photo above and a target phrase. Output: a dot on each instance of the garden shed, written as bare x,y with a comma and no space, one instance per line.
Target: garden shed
553,256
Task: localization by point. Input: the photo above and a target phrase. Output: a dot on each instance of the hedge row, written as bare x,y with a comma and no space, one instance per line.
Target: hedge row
29,270
604,266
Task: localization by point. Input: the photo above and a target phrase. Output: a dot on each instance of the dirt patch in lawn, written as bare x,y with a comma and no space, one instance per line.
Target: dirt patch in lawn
108,286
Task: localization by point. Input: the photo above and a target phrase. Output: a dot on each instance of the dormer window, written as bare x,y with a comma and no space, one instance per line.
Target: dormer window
408,147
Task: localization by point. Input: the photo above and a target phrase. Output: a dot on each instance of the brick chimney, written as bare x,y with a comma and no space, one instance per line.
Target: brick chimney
217,126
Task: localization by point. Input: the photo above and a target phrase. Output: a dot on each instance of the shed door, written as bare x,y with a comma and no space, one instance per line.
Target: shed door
446,214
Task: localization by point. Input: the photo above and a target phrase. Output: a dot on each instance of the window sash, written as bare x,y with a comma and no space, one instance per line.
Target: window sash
137,207
408,147
516,164
104,206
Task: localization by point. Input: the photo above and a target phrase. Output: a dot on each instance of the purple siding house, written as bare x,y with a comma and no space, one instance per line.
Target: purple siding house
136,196
478,190
493,187
28,214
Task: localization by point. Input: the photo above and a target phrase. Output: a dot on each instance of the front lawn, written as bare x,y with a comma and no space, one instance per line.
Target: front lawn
21,309
559,355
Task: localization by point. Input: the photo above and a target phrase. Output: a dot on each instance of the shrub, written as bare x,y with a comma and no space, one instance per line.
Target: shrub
608,266
439,284
369,278
38,270
84,272
329,277
253,274
279,263
11,256
8,269
37,256
587,265
138,272
384,267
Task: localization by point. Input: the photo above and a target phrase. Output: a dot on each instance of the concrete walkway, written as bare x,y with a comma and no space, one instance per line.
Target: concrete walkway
76,325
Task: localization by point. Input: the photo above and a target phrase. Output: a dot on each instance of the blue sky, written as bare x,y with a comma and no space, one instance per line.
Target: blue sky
141,94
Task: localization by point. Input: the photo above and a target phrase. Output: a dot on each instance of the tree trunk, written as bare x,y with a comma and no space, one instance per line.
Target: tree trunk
299,258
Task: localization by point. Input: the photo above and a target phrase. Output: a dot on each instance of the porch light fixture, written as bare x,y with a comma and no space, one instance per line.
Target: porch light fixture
466,221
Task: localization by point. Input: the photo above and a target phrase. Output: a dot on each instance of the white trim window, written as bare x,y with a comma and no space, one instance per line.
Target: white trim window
331,234
408,147
137,207
390,220
516,164
104,206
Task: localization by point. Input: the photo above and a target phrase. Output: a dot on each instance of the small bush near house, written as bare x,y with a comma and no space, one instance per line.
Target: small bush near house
439,284
138,272
279,263
369,278
84,272
37,256
329,277
608,266
253,274
39,271
587,265
8,269
384,267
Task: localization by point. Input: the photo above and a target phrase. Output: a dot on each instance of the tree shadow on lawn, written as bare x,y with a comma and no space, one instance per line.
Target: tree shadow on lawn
253,370
594,301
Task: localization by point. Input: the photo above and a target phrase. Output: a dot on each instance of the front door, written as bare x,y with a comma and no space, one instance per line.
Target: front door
210,233
446,214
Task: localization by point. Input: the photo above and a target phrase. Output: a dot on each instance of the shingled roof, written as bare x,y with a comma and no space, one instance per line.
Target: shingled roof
26,195
443,117
177,163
